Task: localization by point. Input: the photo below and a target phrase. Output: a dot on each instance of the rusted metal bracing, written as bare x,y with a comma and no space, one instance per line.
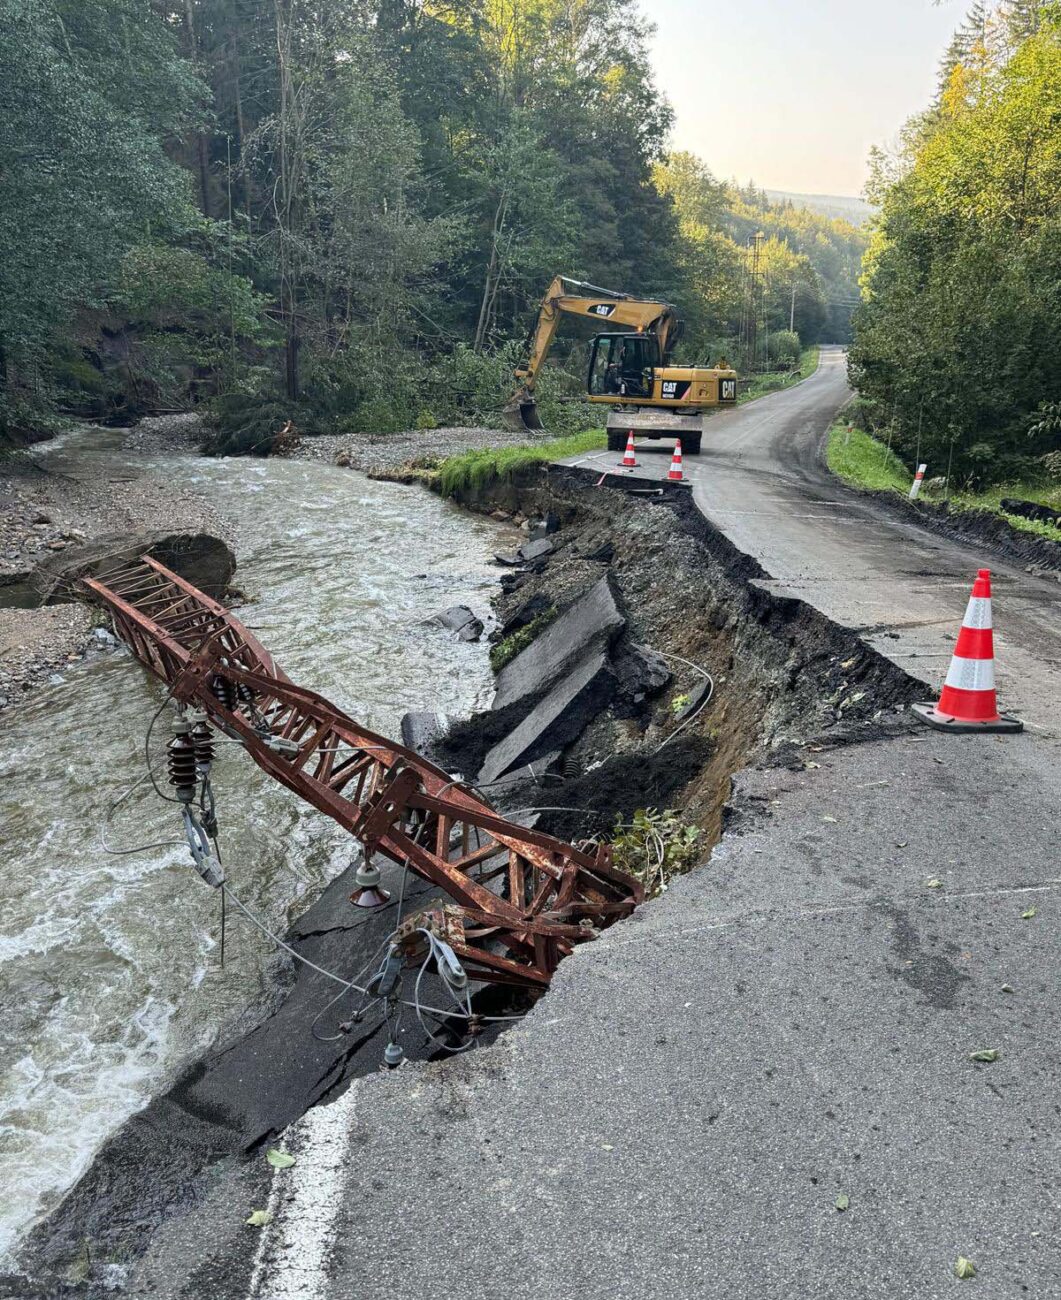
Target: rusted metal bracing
521,900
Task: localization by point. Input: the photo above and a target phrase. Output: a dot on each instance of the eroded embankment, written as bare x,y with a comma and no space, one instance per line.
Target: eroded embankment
588,722
785,677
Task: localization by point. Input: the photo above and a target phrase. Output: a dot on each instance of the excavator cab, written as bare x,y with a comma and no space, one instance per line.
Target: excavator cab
622,365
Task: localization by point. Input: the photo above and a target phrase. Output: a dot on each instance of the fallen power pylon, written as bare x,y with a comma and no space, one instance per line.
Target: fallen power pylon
547,896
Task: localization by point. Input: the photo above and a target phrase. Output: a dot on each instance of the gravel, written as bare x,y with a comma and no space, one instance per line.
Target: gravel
51,504
35,644
374,452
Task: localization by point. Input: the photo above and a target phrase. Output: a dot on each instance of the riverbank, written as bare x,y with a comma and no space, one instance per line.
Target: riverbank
53,514
110,957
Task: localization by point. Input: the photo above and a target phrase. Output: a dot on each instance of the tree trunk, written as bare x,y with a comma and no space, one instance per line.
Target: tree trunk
201,144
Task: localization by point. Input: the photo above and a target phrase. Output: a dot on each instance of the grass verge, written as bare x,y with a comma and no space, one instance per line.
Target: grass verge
864,462
772,381
474,469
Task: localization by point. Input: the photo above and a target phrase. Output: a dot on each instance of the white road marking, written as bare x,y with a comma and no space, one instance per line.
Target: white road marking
305,1201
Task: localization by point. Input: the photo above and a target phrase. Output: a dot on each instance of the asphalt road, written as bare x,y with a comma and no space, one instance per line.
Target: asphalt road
760,479
790,1024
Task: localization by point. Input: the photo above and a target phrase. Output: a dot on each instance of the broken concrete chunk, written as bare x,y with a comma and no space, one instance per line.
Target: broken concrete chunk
526,614
422,730
641,673
535,550
460,620
594,621
695,701
559,719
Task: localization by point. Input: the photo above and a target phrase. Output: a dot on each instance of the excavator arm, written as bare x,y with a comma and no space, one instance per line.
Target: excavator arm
574,298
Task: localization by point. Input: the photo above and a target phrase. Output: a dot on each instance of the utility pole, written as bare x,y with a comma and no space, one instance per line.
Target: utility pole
755,301
792,311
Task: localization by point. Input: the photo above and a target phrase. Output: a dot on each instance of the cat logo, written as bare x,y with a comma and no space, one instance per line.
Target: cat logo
602,309
727,390
670,387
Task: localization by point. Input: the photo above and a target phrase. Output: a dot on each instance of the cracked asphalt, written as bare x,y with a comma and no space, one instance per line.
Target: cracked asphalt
791,1023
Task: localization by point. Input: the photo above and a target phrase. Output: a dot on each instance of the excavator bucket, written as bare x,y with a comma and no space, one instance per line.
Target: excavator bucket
521,416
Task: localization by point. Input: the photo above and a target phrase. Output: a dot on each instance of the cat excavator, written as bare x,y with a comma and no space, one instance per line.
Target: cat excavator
629,369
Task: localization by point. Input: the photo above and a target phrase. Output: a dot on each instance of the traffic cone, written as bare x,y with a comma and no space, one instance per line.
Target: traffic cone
676,463
629,460
967,701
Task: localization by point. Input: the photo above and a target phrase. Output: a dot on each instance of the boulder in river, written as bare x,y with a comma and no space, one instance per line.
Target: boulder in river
460,620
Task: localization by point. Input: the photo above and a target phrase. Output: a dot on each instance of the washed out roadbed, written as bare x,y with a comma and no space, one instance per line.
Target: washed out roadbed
821,1064
789,687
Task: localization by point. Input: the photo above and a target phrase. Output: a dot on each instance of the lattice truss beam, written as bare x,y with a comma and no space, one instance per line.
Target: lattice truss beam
521,900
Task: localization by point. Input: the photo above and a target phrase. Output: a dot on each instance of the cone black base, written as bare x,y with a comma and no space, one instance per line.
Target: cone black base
929,715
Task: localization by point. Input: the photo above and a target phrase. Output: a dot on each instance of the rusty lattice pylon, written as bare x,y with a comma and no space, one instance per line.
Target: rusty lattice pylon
521,900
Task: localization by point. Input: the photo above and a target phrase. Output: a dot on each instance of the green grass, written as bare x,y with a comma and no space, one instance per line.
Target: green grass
474,469
864,462
505,651
772,381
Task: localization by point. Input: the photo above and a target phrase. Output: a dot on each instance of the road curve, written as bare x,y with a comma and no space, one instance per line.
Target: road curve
760,479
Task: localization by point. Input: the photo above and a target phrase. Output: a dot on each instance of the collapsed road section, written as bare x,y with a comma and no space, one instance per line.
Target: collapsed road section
785,679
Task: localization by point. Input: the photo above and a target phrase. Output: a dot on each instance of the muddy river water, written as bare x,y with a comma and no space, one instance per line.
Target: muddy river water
109,964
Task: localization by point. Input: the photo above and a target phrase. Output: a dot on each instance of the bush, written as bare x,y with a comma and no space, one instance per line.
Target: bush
785,349
252,425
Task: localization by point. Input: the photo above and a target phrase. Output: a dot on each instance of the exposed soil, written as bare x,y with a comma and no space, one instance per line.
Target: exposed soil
786,681
1037,554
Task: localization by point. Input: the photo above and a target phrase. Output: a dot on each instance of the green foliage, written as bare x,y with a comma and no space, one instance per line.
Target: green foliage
476,469
89,91
771,381
506,650
785,350
656,847
959,336
349,211
807,261
864,462
247,425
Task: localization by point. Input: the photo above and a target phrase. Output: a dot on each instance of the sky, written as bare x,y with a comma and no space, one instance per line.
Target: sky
791,95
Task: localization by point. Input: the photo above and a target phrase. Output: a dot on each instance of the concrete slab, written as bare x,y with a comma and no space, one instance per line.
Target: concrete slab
593,621
560,717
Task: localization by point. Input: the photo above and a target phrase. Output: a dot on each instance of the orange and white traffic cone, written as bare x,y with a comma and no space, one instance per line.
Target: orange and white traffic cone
967,701
676,463
629,460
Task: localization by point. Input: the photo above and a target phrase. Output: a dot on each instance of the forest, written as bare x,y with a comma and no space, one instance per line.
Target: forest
957,351
343,212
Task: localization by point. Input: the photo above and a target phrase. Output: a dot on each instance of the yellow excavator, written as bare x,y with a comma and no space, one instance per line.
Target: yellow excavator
628,369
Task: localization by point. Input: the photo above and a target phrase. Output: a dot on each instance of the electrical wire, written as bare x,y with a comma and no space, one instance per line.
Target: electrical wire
703,703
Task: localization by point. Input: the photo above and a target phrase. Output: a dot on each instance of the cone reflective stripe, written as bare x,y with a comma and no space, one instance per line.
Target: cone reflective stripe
919,478
676,463
629,460
967,701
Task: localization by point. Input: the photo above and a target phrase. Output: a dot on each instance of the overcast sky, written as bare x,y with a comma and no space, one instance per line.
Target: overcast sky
792,95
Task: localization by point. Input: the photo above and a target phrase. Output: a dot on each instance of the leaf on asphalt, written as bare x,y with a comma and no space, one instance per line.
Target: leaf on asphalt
1027,916
933,883
987,1054
1007,988
259,1218
279,1159
964,1267
811,767
827,818
843,1201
